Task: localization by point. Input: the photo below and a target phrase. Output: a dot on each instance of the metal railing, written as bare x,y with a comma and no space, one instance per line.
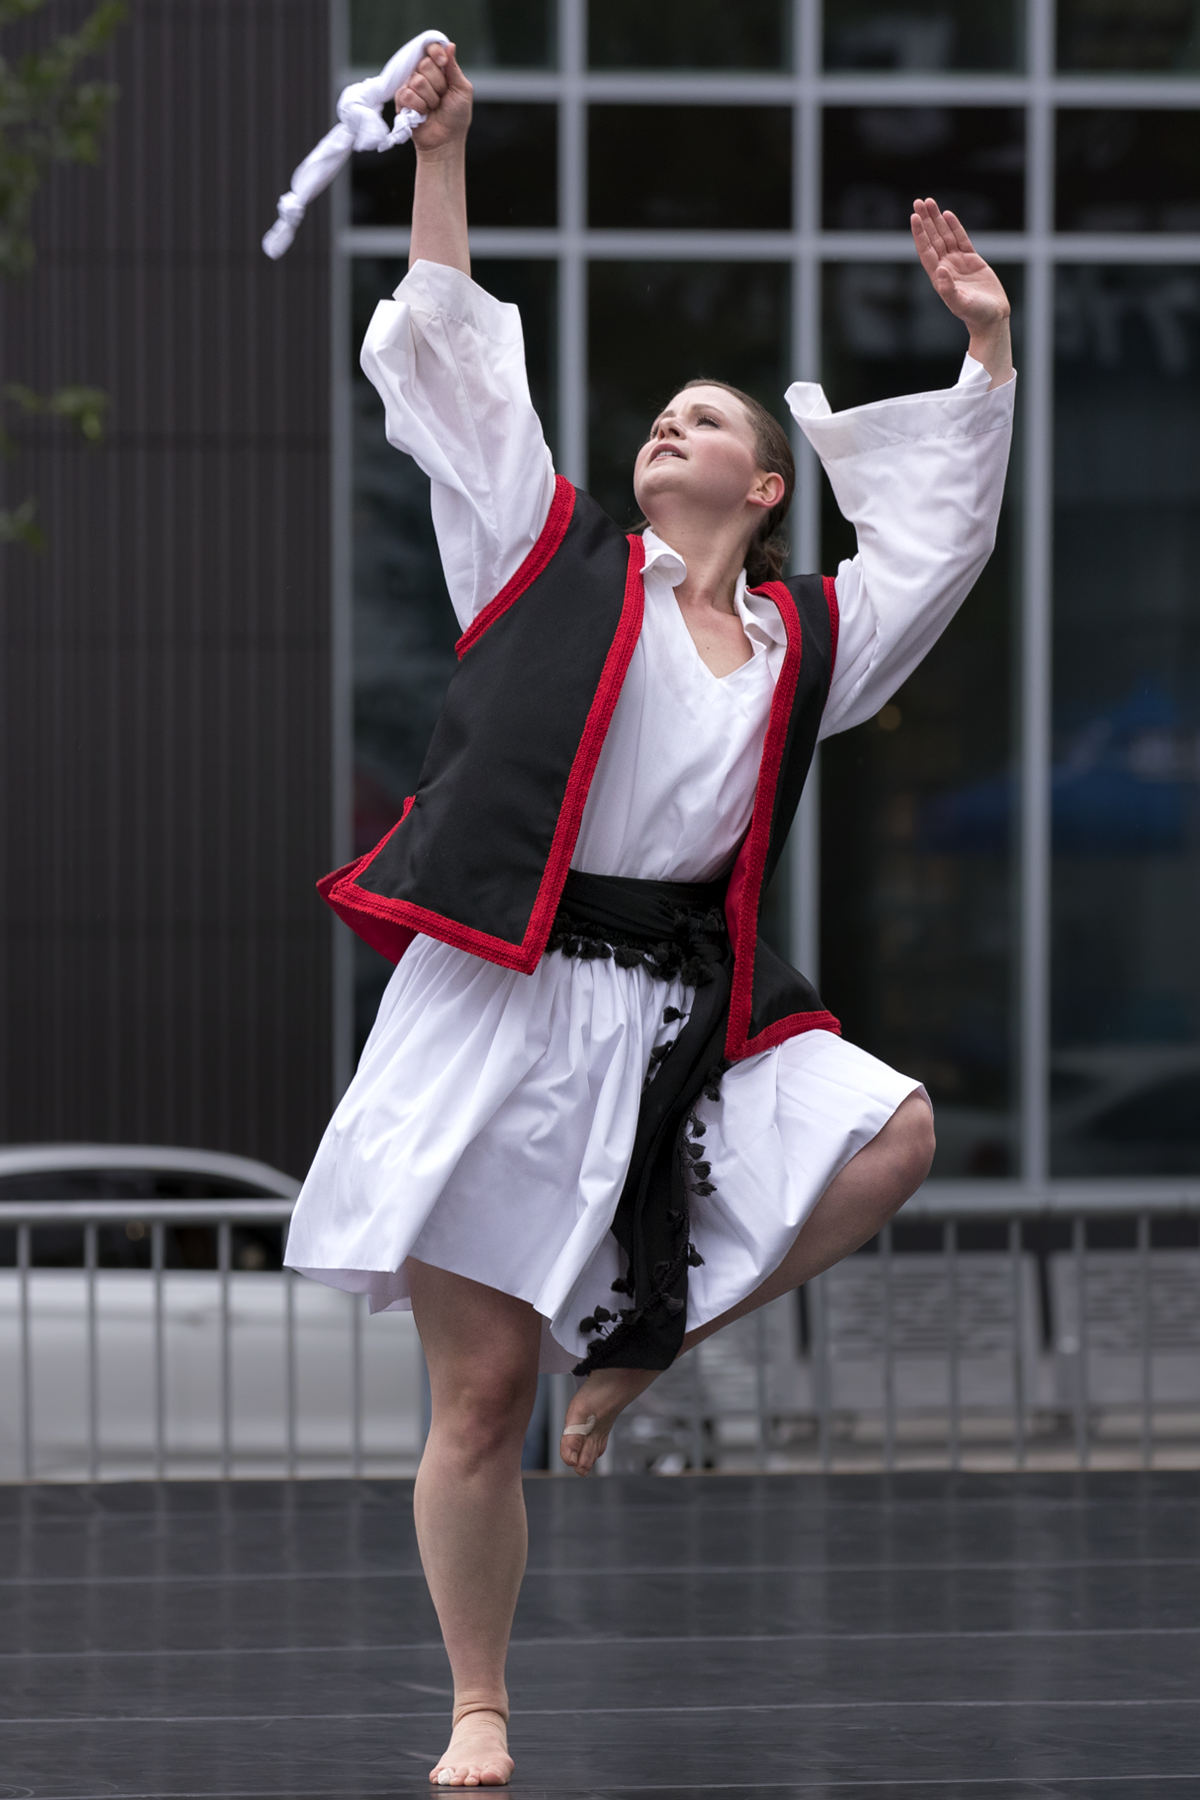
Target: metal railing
118,1340
988,1333
977,1335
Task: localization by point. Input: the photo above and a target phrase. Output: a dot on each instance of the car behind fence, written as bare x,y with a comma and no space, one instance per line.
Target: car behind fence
174,1344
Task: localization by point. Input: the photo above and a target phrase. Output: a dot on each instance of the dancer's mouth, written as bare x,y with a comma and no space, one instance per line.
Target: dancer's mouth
666,450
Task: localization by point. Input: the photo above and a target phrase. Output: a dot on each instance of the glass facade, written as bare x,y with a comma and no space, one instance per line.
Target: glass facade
996,881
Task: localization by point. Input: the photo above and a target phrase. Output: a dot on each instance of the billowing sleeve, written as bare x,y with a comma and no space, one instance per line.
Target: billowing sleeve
448,361
921,479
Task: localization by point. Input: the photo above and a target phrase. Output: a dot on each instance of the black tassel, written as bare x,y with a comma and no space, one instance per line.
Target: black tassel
673,1306
695,1260
602,1315
621,1286
674,1217
695,1151
706,1187
702,1171
626,957
697,1127
587,1324
670,1014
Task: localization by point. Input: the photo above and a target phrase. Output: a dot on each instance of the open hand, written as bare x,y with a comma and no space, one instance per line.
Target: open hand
969,286
438,88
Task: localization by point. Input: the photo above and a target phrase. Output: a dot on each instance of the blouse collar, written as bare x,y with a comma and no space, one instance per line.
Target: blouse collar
760,617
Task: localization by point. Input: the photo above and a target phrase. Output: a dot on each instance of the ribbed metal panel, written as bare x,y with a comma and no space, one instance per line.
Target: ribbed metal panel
165,670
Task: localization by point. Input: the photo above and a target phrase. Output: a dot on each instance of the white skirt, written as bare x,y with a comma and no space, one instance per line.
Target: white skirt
489,1126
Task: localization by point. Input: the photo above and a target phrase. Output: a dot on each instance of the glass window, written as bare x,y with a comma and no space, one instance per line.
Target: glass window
688,34
1125,36
490,34
512,171
924,34
404,627
917,855
653,326
879,158
1128,171
1126,775
690,167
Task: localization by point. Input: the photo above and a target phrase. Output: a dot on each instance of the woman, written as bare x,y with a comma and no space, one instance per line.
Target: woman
554,1106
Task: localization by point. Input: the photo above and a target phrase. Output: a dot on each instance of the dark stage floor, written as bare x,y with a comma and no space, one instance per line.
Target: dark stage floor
918,1635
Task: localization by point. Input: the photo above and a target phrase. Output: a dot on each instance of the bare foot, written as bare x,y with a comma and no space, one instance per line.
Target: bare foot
598,1405
477,1754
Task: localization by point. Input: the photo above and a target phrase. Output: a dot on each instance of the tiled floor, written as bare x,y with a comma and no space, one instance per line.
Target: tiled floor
923,1635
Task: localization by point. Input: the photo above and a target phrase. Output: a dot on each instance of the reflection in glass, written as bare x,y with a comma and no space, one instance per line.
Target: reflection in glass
701,168
653,326
917,837
1118,170
490,34
924,34
512,170
404,627
1126,777
688,34
1127,36
878,158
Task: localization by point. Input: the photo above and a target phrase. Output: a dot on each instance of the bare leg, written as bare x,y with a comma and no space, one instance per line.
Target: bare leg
482,1350
860,1200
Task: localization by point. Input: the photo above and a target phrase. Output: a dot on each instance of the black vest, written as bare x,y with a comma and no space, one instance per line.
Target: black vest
479,857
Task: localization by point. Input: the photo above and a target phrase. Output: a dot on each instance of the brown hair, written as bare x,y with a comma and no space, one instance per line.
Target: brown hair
768,548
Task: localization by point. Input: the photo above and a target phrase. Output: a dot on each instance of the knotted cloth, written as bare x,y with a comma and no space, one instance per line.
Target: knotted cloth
360,127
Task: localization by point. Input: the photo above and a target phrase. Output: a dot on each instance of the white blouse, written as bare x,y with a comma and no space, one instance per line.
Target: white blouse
920,478
489,1126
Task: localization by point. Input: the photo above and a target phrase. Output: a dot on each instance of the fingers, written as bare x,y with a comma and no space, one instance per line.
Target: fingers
428,82
961,240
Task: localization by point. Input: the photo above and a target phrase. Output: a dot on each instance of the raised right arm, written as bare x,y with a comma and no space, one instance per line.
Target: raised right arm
440,90
448,361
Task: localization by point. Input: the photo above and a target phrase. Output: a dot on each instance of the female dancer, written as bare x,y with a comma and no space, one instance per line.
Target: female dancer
517,1146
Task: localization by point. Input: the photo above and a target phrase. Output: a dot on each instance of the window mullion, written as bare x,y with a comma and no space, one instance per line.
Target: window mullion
1037,499
572,220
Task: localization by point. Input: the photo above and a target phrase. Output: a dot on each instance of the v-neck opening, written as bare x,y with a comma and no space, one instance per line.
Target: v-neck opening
755,649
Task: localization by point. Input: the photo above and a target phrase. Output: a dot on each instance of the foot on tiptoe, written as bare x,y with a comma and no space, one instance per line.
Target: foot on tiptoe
594,1411
477,1754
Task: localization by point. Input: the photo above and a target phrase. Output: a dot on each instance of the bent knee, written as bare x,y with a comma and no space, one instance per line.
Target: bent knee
914,1143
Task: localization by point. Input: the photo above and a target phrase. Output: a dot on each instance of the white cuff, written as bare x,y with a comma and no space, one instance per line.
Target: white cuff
970,409
436,288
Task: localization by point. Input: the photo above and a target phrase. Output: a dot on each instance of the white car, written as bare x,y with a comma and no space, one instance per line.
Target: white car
147,1172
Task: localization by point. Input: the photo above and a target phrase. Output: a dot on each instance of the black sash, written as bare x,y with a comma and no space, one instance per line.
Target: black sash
675,929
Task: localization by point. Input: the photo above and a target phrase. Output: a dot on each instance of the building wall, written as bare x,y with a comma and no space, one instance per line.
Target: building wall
165,668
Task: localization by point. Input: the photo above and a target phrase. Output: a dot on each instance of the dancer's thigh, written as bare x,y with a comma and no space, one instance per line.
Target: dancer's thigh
481,1346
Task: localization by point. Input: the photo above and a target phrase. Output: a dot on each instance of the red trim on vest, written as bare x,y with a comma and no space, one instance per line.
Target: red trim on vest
791,1027
745,883
608,692
549,538
380,931
396,922
835,619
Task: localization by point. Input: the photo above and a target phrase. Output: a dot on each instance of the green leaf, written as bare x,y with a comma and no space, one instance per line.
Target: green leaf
20,527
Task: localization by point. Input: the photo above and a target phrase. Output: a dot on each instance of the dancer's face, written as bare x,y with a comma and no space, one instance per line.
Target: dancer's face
701,455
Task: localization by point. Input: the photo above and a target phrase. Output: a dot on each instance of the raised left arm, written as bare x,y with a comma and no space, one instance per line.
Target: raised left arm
970,288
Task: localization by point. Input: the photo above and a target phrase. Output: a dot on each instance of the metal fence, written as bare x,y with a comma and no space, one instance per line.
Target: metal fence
964,1337
177,1369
